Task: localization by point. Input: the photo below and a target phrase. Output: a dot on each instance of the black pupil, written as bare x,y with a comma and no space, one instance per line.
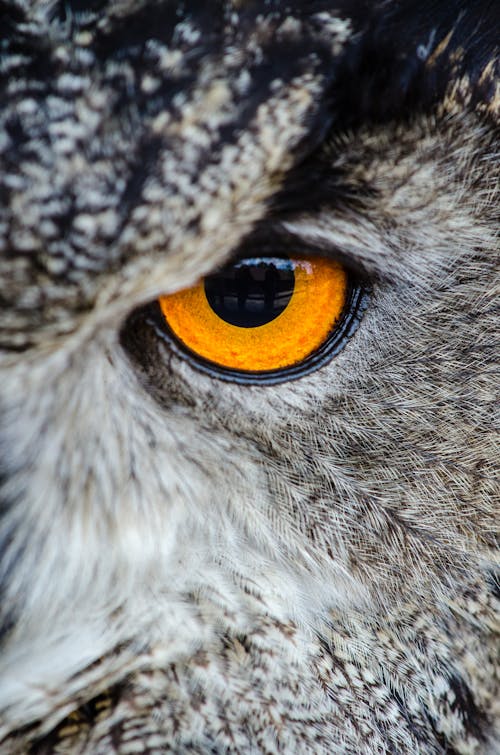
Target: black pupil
251,292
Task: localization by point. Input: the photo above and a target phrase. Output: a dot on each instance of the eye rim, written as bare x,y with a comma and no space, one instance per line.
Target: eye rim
357,298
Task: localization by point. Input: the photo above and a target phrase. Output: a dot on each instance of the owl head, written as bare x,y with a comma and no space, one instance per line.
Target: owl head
248,269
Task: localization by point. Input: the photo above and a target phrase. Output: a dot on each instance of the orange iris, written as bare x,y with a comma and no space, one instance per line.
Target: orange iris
306,314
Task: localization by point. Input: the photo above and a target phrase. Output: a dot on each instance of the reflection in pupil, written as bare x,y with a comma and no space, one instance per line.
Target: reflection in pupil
251,292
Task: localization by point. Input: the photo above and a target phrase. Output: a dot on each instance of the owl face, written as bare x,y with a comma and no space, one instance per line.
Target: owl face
248,260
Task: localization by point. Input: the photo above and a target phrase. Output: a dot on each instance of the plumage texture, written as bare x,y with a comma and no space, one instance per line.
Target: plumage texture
194,565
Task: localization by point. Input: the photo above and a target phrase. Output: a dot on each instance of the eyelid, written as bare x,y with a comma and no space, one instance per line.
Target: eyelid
269,240
359,300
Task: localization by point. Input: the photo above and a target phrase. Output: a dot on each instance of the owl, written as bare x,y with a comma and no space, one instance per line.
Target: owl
248,377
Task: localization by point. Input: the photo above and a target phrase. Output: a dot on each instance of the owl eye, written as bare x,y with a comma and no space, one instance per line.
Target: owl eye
263,319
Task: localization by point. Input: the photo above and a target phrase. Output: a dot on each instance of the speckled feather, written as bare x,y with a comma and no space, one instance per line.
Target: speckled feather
191,565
